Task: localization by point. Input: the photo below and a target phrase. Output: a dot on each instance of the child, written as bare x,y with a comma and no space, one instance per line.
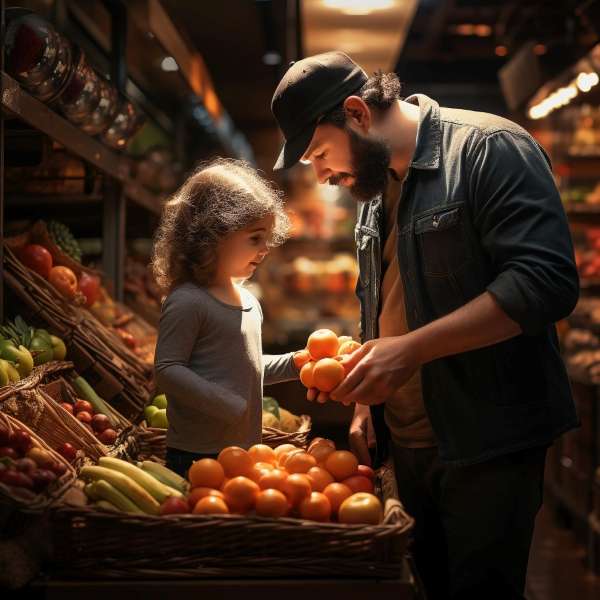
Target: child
214,233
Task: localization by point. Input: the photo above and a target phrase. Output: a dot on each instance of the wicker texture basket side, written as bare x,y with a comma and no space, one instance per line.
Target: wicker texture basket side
91,345
27,498
195,546
274,437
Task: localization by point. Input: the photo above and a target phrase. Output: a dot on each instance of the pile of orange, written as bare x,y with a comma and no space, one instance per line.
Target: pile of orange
319,368
319,484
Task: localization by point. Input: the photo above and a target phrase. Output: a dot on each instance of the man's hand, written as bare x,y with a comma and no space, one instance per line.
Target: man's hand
362,436
377,370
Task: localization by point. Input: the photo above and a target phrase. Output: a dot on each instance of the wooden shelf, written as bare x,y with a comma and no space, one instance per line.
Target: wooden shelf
18,102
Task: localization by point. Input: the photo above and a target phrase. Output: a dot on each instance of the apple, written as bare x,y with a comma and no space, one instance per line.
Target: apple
17,479
67,406
108,436
100,423
25,465
68,451
84,416
174,506
42,478
361,508
37,258
150,411
4,435
59,469
9,452
160,401
83,405
20,440
160,420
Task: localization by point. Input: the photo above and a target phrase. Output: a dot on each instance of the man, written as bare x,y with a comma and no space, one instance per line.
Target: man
469,266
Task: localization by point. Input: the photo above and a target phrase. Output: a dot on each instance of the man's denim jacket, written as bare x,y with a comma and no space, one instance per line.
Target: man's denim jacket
479,210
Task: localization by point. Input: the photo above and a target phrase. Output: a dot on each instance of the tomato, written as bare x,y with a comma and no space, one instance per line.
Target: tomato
90,288
37,258
361,508
64,280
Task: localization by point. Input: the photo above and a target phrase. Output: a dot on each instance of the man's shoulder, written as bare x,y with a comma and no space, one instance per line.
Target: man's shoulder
480,124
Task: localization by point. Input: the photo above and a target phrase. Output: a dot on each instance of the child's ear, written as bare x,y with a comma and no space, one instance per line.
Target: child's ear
358,113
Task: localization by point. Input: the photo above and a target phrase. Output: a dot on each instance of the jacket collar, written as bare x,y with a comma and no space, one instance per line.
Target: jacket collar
429,133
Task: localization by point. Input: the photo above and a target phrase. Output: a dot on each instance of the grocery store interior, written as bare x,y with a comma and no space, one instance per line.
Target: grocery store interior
131,97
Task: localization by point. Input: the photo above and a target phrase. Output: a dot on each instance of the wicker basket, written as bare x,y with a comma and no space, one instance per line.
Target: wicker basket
274,437
27,498
112,545
112,369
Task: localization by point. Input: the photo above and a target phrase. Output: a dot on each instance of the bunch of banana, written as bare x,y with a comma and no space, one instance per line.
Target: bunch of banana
124,487
61,235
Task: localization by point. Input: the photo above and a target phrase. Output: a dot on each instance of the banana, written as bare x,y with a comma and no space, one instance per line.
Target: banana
125,485
90,491
155,488
166,476
106,505
105,491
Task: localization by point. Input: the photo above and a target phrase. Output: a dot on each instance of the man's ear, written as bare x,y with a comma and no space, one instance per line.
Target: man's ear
358,113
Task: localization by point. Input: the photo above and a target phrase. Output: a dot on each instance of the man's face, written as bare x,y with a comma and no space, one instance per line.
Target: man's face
343,156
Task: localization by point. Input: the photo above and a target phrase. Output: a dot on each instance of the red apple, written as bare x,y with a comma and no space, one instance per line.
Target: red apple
37,258
100,423
67,406
84,416
68,451
9,452
4,435
20,440
108,436
83,405
174,506
59,469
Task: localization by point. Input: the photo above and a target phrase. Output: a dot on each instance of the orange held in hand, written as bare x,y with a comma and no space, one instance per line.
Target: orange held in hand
327,374
306,374
348,347
301,358
322,343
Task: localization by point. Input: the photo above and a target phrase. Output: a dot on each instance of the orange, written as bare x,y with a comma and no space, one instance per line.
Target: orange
265,466
320,478
235,461
315,507
201,492
301,358
322,343
273,479
240,494
361,508
283,448
359,483
341,464
327,374
300,462
348,347
336,494
224,483
320,440
306,374
321,451
285,457
206,472
211,505
262,453
272,503
297,487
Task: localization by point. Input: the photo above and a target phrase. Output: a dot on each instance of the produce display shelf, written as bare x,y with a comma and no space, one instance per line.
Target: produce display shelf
582,208
17,101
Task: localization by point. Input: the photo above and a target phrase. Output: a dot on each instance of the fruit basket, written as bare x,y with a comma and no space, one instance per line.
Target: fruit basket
114,371
274,437
131,546
36,485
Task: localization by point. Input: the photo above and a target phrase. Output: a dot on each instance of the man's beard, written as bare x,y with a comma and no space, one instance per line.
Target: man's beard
370,165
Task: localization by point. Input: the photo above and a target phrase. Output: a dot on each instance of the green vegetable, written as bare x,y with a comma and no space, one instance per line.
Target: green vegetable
85,390
271,405
41,350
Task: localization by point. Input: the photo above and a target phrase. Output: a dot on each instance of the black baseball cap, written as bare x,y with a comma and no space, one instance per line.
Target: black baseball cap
311,87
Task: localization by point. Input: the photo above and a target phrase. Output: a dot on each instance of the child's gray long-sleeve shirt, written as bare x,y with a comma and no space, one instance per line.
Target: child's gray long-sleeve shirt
210,364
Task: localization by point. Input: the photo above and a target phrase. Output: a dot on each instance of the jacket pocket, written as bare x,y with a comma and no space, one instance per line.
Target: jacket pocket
442,241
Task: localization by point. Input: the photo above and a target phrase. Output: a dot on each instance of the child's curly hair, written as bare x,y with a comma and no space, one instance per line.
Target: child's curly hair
221,197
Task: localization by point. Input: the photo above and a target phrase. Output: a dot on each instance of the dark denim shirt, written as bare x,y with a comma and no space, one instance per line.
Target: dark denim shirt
479,210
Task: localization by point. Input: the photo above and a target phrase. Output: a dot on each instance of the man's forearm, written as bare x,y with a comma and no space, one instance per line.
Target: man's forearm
477,324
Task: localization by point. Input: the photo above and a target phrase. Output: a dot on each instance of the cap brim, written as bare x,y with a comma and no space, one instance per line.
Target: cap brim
294,148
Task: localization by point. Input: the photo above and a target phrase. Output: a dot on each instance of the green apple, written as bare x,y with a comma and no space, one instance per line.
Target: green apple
20,356
150,411
160,401
159,419
41,350
58,348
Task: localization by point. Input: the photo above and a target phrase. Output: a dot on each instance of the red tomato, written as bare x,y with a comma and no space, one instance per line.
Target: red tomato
64,280
37,258
90,287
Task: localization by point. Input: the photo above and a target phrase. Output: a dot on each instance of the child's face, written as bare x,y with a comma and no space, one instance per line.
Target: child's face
241,251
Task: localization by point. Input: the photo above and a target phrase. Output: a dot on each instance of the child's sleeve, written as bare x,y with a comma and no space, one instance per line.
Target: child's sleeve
279,367
180,327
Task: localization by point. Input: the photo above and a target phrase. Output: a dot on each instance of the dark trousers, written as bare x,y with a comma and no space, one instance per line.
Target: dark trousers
474,524
181,460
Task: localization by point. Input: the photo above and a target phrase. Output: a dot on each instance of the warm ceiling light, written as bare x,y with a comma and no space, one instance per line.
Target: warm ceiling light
483,30
169,64
358,7
501,51
586,81
465,29
540,49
